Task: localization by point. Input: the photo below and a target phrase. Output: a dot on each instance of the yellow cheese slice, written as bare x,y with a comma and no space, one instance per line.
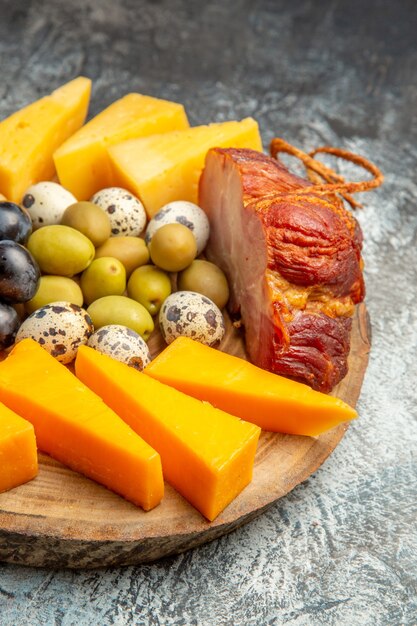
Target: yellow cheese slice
18,456
29,137
160,169
207,454
82,162
74,426
234,385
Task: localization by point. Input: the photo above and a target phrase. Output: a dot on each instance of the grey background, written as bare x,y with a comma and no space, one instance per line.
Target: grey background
341,548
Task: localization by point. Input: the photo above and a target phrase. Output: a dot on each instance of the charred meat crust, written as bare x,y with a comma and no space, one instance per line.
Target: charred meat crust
306,252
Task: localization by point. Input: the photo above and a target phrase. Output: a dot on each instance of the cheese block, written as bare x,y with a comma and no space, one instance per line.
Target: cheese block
82,162
207,455
29,137
160,169
18,455
74,426
272,402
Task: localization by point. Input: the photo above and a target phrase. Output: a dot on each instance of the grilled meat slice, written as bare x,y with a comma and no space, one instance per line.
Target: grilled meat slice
293,261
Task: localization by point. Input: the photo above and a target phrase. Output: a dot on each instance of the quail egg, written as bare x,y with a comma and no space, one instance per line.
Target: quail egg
46,203
126,212
122,344
183,212
190,314
59,327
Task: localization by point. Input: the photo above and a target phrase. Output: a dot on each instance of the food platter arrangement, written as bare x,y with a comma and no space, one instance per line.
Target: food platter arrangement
182,324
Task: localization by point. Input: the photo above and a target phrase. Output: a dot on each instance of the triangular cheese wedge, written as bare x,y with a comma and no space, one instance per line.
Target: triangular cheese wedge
74,426
272,402
163,168
29,137
82,162
207,454
18,454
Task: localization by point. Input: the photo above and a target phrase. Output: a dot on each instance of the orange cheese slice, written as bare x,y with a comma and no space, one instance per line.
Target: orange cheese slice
74,426
18,455
272,402
207,455
160,169
29,137
82,162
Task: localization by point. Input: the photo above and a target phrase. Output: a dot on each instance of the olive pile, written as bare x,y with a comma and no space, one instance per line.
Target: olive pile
104,256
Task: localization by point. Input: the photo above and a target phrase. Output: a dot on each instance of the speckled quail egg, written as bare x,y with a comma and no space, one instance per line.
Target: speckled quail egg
46,203
183,212
59,327
190,314
126,212
122,344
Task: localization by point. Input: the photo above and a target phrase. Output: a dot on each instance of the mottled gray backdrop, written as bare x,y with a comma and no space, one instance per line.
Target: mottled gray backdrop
341,548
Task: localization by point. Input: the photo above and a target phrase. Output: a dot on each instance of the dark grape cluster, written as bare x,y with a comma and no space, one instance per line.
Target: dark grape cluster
19,272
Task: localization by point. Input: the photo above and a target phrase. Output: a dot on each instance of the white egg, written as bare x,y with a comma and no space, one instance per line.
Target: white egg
121,343
182,212
59,327
126,212
46,203
189,314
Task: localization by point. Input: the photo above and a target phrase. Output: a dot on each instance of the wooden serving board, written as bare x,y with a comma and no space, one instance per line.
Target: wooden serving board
62,519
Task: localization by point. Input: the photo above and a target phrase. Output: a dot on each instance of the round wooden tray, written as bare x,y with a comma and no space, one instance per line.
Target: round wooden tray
62,519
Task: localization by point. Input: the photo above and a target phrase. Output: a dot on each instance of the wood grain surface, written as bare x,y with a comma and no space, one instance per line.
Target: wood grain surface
62,519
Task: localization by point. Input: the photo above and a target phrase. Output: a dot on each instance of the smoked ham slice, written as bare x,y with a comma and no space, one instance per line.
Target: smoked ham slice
292,256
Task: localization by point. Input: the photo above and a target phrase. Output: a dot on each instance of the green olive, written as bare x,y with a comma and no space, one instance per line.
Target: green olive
90,220
149,285
60,250
131,251
52,289
173,247
205,278
105,276
121,310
